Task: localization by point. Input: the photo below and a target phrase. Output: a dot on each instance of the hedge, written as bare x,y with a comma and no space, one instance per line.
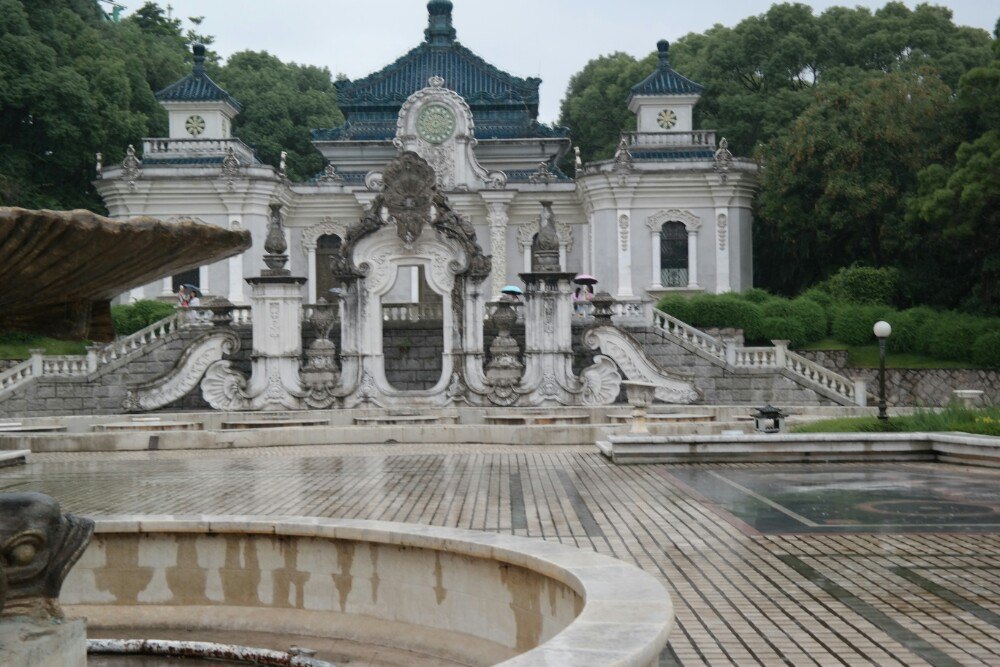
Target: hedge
986,349
130,318
952,335
864,284
852,323
784,328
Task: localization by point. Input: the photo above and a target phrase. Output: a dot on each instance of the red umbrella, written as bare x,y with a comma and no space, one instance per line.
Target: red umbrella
585,279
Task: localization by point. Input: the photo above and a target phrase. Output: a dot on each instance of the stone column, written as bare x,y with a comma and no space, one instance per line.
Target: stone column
624,237
167,286
692,258
311,272
203,279
497,206
722,282
654,246
235,270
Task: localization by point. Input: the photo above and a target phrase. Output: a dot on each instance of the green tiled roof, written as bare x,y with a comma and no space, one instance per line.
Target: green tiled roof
665,81
505,106
197,86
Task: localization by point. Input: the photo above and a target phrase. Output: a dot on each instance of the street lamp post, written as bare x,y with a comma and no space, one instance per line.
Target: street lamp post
882,331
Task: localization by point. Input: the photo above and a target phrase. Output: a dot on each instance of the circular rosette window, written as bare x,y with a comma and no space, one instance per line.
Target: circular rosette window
435,123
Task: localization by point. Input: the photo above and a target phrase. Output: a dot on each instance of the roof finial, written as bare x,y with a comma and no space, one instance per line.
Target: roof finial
439,29
199,58
663,46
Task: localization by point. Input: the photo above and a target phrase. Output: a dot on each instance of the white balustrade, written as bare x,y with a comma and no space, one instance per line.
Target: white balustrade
411,312
15,375
812,371
242,315
64,365
678,329
756,357
164,147
704,138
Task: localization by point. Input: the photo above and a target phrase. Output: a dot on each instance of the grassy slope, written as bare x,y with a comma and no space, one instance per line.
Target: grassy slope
50,345
984,421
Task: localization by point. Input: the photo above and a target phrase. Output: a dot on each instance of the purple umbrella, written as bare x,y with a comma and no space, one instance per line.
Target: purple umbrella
585,279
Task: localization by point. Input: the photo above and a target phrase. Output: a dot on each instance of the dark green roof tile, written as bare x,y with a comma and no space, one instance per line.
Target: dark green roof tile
665,81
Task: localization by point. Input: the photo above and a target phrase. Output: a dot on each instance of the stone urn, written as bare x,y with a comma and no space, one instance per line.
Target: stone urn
640,396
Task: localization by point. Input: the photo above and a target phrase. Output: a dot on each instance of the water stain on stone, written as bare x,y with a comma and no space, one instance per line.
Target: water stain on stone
288,577
525,601
439,590
344,580
373,551
551,585
121,576
240,580
186,580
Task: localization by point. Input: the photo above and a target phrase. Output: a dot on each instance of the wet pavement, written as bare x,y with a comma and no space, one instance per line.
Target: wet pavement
767,564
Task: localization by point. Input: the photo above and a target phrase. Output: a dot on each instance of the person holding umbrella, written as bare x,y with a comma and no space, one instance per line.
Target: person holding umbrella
583,295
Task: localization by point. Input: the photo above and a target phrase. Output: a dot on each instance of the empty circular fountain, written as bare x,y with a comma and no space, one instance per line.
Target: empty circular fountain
439,594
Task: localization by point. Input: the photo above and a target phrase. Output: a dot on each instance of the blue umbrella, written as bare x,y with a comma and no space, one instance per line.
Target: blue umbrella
511,289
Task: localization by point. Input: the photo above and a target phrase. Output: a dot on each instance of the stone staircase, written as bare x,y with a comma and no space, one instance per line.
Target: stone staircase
778,358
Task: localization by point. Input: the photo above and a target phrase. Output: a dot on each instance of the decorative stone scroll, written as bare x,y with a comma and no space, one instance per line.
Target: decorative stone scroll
636,364
185,376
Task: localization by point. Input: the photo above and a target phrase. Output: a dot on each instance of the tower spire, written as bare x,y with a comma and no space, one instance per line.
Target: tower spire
439,29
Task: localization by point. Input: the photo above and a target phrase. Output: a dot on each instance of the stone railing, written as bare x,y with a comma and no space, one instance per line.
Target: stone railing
65,366
752,357
15,375
704,138
163,147
777,357
411,312
141,338
674,327
832,380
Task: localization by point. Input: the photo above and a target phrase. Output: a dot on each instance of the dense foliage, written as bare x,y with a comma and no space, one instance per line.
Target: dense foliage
130,318
843,310
876,132
73,83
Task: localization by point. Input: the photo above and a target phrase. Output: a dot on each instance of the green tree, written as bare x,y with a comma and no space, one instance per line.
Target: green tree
833,186
281,103
594,107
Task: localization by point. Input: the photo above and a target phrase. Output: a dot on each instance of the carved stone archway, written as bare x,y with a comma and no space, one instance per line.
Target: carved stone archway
410,223
309,243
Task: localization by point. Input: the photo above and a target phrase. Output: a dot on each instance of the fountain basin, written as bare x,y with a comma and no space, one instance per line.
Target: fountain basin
473,597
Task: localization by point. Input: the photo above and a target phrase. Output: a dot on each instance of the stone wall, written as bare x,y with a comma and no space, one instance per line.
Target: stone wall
914,387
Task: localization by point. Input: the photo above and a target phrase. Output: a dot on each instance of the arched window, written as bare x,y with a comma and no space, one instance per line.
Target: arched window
327,246
673,255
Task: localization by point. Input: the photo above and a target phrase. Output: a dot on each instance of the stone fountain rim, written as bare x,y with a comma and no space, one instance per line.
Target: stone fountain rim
625,609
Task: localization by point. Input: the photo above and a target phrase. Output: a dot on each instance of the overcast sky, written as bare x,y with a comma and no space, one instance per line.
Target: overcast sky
551,39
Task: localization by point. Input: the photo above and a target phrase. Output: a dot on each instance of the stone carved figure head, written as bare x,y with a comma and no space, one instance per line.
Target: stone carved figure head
545,248
38,547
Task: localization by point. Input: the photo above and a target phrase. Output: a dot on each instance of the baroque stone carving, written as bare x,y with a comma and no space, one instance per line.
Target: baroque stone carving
330,175
310,235
437,124
230,164
543,174
497,218
275,245
656,221
38,547
409,187
601,382
526,233
545,246
185,376
723,160
504,371
623,229
633,361
131,167
721,225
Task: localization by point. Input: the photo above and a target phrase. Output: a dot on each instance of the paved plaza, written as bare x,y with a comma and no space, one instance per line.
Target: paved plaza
767,564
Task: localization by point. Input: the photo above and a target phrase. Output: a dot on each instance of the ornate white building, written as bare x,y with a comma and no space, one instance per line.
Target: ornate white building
671,211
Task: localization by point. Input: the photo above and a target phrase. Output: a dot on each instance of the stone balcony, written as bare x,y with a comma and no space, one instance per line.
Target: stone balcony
164,148
655,140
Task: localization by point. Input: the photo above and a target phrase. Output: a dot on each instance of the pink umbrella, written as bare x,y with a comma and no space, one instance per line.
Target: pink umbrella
585,279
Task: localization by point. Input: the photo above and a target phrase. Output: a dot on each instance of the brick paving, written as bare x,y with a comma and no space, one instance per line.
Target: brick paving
742,597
